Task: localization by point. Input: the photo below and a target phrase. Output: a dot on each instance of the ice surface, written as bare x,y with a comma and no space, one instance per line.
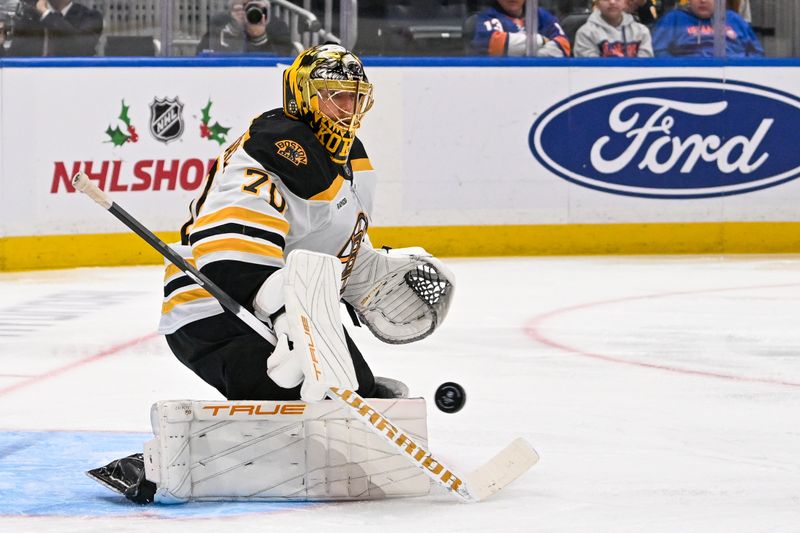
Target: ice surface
662,393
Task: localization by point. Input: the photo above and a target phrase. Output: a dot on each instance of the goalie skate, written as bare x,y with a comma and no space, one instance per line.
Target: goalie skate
126,476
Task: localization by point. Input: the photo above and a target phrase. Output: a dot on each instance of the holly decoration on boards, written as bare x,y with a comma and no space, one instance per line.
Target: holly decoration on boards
118,137
215,132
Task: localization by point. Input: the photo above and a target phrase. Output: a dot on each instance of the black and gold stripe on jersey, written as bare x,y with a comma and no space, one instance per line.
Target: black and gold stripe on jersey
361,164
236,228
219,166
331,192
239,234
174,280
184,300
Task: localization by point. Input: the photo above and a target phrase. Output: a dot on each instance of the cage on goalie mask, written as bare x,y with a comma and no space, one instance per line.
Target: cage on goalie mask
326,87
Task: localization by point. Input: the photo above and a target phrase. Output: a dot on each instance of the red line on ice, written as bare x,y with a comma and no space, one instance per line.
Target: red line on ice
71,366
532,329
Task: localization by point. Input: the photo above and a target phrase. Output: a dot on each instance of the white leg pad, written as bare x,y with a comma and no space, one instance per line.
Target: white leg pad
312,295
267,451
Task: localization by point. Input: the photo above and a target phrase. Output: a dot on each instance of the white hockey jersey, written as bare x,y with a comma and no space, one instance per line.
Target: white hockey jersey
273,190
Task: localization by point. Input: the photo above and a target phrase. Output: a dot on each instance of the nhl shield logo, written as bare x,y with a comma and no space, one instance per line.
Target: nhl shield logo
166,119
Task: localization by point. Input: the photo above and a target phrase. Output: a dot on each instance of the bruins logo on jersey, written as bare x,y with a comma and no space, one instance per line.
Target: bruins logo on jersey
292,151
347,255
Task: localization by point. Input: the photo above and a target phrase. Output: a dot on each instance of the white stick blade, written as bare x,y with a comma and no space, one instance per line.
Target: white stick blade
513,461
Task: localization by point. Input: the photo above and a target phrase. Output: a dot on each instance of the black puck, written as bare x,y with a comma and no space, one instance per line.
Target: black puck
450,397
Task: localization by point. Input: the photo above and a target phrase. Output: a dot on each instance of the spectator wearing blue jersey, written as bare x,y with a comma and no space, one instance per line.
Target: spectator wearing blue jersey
689,32
500,31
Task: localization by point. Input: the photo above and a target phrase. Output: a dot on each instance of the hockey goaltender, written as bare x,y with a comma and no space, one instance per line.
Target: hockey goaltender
281,226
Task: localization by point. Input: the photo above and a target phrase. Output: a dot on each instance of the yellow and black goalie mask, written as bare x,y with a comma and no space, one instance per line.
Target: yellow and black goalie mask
326,88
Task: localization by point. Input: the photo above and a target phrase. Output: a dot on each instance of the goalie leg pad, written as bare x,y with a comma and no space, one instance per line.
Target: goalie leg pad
312,293
267,451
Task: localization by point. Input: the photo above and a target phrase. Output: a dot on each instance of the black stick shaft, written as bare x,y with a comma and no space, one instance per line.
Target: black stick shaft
173,257
81,182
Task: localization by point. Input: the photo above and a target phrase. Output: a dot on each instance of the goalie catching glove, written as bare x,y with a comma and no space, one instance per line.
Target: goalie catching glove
311,346
402,294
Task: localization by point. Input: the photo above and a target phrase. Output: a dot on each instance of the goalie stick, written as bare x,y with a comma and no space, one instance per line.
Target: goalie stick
513,461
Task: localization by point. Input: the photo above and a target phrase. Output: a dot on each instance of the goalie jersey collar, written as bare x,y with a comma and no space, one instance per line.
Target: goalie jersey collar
289,149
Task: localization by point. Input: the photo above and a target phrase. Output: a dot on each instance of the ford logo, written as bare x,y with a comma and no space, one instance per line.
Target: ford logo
672,138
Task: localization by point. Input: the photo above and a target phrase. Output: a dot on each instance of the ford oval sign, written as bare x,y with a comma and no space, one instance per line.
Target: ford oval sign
672,138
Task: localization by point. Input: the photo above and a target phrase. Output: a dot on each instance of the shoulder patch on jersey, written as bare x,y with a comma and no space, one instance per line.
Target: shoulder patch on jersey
292,151
301,165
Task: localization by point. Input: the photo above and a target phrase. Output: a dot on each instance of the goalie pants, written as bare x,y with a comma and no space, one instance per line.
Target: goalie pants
232,358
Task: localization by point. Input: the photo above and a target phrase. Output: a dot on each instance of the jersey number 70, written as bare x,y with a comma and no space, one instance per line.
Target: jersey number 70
262,178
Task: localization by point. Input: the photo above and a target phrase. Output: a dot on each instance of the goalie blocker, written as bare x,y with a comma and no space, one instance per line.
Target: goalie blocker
266,451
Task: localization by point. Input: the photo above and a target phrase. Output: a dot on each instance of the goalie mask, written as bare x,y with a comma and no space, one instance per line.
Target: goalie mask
327,89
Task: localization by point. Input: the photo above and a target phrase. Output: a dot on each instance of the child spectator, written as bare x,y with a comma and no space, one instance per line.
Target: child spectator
611,32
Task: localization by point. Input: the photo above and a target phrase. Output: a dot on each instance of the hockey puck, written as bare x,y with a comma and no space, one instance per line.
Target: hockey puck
450,397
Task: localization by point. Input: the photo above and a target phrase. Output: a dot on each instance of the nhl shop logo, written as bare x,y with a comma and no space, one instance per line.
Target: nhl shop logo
166,119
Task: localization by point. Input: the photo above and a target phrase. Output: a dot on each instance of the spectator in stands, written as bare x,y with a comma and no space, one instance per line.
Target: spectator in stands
55,28
689,32
611,32
247,28
500,31
3,35
743,8
644,11
740,6
669,5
